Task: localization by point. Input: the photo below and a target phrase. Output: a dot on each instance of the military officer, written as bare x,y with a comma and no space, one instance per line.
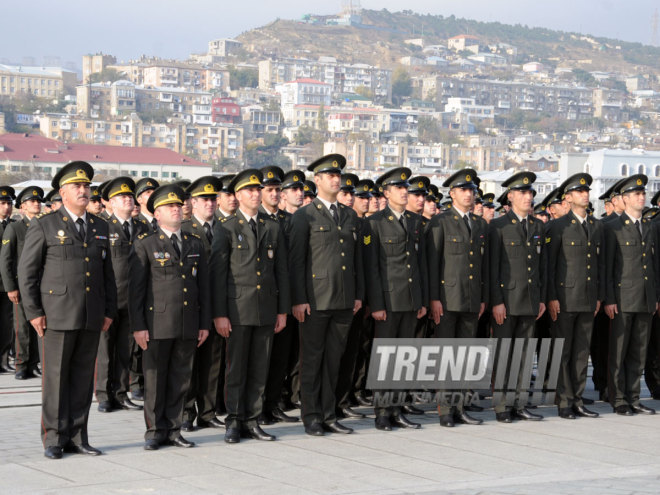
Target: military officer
397,290
458,273
250,303
489,207
227,203
144,188
346,195
517,275
27,347
633,291
7,196
209,362
106,209
431,202
69,295
169,310
327,287
309,192
54,198
555,204
95,207
363,196
419,188
576,287
292,190
652,367
115,352
283,341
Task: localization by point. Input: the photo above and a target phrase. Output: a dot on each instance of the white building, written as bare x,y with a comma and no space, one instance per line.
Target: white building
304,91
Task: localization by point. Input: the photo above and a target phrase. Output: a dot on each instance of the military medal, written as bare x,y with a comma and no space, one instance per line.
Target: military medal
270,254
194,271
240,238
60,235
103,253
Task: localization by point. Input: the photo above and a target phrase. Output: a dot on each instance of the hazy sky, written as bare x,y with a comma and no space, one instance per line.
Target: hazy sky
176,28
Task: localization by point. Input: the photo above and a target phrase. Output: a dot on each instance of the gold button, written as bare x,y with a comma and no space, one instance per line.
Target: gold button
588,267
644,254
87,289
183,276
588,243
528,244
185,303
471,265
313,275
258,259
341,241
646,278
239,246
529,256
644,267
258,274
471,253
50,291
87,259
501,285
588,256
151,308
343,268
529,268
643,243
185,290
88,273
407,253
181,263
407,266
529,280
338,228
470,277
84,244
572,244
258,287
343,254
588,278
410,280
471,241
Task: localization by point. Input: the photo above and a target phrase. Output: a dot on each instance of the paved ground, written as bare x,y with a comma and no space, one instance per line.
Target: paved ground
608,455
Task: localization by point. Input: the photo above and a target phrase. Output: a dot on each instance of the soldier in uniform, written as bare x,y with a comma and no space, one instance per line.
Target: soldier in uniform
652,368
363,197
55,199
517,275
170,309
250,303
309,192
7,197
292,190
419,188
227,203
106,210
327,287
209,361
95,207
576,287
374,203
115,352
283,341
27,345
395,258
144,188
633,291
68,289
346,195
458,273
489,207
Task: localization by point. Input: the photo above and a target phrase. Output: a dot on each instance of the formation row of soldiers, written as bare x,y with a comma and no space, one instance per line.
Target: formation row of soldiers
269,299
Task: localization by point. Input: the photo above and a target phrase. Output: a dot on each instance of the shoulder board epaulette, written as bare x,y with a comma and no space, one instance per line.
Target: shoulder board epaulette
145,234
224,219
194,235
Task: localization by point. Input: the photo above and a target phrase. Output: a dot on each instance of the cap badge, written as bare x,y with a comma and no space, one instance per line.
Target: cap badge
639,182
295,178
420,184
81,173
468,178
335,164
582,181
125,188
34,192
403,176
209,188
349,182
270,175
173,196
525,180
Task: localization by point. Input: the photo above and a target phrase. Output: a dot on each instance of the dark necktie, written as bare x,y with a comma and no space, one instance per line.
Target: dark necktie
253,226
127,230
81,228
154,224
467,224
523,223
639,227
175,245
4,224
273,216
335,215
208,232
403,223
585,227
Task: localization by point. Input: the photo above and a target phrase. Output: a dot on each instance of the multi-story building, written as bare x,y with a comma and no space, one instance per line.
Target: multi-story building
104,100
304,91
92,64
467,107
258,121
223,47
342,78
225,110
38,155
44,82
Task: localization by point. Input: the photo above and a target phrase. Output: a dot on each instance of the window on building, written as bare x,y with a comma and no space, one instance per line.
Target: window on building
641,169
154,174
624,170
165,175
145,174
656,170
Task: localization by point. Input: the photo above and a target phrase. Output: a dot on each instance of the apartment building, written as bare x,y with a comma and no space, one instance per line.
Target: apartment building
44,82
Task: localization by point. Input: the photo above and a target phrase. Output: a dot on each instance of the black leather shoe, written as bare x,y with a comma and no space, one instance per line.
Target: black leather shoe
623,410
106,406
266,418
347,412
364,401
527,415
466,419
233,435
603,395
584,412
128,404
447,420
402,422
138,395
53,452
410,409
258,434
182,442
151,444
288,405
36,370
282,417
187,426
587,401
211,423
83,448
473,408
315,429
383,423
24,375
4,369
503,417
641,409
656,395
566,413
337,427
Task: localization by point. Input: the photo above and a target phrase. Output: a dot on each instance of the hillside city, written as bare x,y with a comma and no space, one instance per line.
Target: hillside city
465,101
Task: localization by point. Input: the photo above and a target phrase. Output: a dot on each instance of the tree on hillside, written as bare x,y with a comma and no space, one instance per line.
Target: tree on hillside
243,78
106,75
401,85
